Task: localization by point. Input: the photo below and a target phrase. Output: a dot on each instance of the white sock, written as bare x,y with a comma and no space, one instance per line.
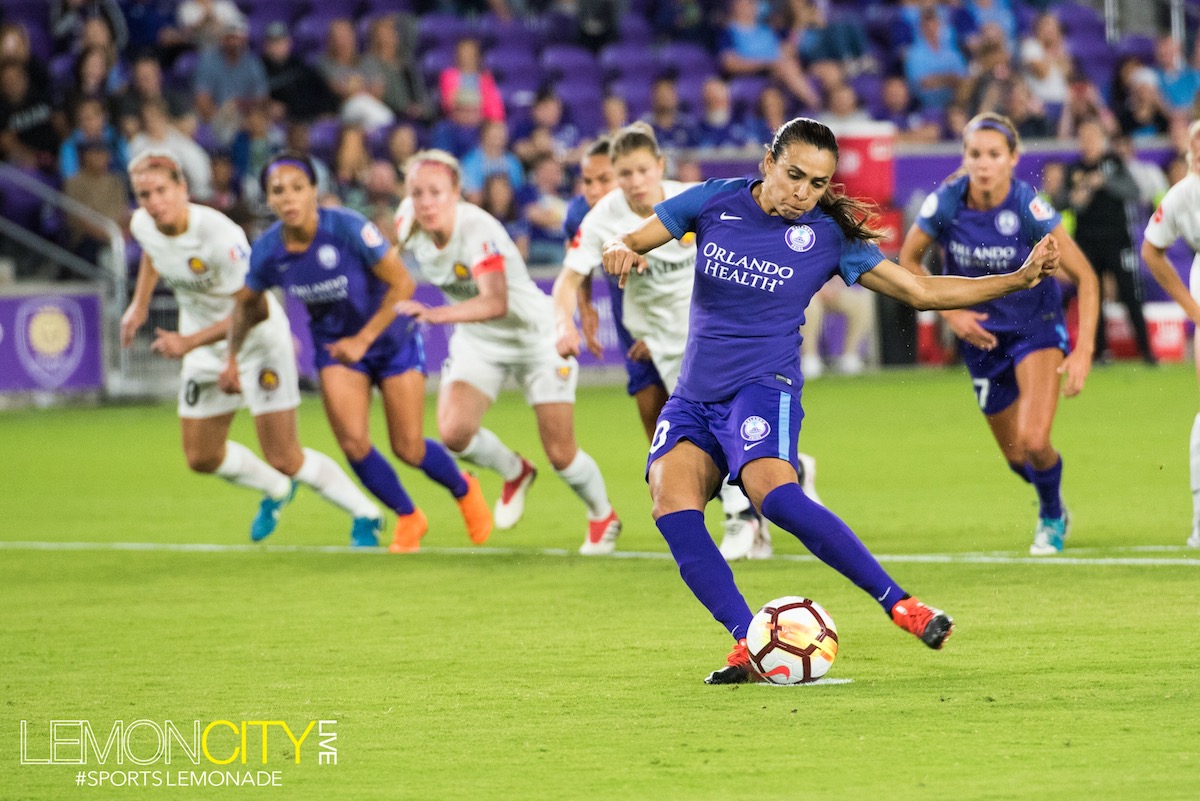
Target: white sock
486,450
733,500
583,476
1194,452
243,468
331,483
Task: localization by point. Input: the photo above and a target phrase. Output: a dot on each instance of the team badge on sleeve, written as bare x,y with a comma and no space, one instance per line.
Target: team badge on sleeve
371,236
929,207
1040,209
1158,215
800,238
238,253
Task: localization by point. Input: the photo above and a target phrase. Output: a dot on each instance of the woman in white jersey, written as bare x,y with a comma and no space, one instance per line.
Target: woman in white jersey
503,326
1179,216
657,302
203,257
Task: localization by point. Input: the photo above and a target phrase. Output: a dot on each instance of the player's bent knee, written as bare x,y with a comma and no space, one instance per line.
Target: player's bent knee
356,448
455,438
203,462
286,463
411,452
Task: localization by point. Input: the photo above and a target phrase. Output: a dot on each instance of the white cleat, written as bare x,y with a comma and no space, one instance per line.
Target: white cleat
740,532
812,367
850,364
808,477
511,503
762,548
602,536
1194,540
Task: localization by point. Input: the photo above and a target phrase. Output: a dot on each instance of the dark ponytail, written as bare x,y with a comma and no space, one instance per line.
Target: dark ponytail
851,214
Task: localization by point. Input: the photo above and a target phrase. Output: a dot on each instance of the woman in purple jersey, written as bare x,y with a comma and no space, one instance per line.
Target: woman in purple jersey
1014,347
379,351
736,408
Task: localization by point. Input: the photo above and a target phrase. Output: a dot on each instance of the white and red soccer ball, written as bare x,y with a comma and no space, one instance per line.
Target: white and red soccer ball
792,640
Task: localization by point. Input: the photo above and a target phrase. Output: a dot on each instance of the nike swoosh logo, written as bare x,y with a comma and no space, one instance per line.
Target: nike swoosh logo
750,445
725,216
885,594
782,670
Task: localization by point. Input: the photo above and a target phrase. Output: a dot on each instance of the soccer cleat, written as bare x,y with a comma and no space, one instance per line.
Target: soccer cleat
267,518
1194,540
812,367
475,511
737,668
850,363
762,548
1049,536
740,532
602,536
931,626
364,533
409,530
808,476
511,503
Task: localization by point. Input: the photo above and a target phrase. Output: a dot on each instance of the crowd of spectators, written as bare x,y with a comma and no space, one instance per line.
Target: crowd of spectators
516,88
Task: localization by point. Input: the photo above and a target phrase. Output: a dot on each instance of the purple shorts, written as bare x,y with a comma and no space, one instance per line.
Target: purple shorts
384,359
760,421
993,372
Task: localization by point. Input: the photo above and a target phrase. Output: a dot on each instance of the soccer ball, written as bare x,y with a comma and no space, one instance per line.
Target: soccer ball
792,640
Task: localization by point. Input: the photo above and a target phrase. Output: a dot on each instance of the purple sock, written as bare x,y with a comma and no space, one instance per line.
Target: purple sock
1023,470
378,476
704,570
831,541
439,465
1048,482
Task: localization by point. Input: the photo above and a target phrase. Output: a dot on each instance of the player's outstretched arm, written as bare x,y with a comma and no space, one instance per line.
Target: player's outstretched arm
391,270
567,287
966,324
1076,266
624,254
953,291
1163,272
249,309
139,307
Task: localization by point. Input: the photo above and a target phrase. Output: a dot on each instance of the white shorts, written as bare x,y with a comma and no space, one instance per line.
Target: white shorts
548,378
270,382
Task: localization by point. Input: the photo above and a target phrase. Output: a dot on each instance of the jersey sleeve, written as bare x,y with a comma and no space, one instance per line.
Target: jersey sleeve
577,209
935,211
260,278
482,247
858,257
363,238
679,213
586,248
1038,217
1162,230
403,221
231,249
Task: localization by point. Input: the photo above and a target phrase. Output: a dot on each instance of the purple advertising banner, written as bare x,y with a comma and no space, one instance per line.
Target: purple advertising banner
50,342
437,337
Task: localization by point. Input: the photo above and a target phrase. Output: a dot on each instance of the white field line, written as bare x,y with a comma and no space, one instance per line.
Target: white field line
998,558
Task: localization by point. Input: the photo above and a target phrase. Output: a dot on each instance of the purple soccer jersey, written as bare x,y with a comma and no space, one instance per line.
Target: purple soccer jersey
333,278
996,241
755,274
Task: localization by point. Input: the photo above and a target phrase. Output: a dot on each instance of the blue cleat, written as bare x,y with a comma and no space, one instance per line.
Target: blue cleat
1048,539
268,514
365,532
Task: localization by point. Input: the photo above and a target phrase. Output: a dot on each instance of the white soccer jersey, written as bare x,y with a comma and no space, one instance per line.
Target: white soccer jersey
657,302
479,244
1179,216
204,266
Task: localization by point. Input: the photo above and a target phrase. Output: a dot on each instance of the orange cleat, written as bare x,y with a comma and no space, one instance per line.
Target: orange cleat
475,511
737,668
409,530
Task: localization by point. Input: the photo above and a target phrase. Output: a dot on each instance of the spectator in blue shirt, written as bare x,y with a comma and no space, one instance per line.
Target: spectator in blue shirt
489,158
934,68
1178,82
92,125
229,74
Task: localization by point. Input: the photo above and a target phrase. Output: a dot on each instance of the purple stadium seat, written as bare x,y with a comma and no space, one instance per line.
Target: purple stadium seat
584,104
1079,19
22,207
206,137
285,10
628,60
559,28
511,34
61,67
1136,44
322,138
869,89
434,61
309,33
40,43
744,93
568,61
686,58
690,89
377,141
505,61
184,69
635,93
440,30
377,7
633,28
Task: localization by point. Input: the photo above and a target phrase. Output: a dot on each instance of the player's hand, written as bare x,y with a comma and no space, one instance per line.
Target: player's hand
966,325
619,260
170,344
416,310
1042,261
567,341
348,350
589,320
229,380
133,319
1075,367
638,352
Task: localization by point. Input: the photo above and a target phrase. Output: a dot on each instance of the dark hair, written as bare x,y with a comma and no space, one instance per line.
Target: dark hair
291,158
851,214
601,147
637,136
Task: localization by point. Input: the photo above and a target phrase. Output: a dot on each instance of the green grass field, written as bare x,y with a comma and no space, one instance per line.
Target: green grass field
521,671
